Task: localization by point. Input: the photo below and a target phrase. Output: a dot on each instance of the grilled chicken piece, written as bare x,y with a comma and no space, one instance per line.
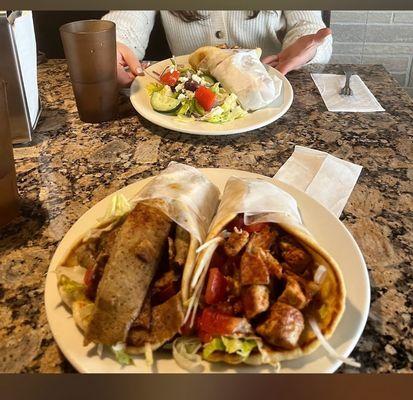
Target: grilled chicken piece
181,242
309,288
235,242
273,265
283,327
253,269
294,255
133,261
263,239
167,318
293,295
255,300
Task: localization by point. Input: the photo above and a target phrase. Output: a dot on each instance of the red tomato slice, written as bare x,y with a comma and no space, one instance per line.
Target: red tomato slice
255,227
170,78
89,276
216,289
205,97
217,324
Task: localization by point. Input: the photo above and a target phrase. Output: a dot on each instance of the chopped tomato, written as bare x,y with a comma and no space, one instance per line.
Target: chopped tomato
255,227
88,278
170,78
205,97
216,287
216,323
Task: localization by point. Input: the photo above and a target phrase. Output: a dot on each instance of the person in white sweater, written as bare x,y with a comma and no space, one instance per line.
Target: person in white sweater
288,39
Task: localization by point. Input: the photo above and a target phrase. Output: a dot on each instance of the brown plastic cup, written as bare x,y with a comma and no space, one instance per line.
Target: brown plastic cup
90,50
9,198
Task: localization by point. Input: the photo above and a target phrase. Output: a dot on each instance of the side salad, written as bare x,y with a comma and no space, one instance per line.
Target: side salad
187,93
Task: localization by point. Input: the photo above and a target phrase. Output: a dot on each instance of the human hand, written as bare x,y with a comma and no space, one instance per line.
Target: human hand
298,53
127,64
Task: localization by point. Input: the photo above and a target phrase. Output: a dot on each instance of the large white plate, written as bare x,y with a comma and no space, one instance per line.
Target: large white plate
254,120
328,230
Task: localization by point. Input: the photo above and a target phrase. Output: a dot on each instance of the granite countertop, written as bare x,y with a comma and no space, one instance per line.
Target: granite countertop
71,165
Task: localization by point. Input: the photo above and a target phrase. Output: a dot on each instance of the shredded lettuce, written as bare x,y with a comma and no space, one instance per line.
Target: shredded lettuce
118,207
122,357
215,344
228,111
184,351
70,290
240,346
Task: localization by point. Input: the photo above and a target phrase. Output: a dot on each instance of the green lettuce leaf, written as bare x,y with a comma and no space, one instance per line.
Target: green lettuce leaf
122,357
70,290
215,344
240,346
154,87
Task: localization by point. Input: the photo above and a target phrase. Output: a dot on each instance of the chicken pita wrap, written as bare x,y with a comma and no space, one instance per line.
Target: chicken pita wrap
263,289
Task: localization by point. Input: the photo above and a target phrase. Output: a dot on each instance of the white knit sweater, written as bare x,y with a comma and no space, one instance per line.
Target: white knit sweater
134,27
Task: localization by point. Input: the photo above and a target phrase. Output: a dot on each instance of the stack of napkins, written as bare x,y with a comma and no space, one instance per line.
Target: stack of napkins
326,178
362,100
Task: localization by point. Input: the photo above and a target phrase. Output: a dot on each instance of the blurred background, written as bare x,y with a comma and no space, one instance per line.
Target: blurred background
360,37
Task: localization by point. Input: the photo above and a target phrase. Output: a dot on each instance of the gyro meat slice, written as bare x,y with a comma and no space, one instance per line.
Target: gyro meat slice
283,327
181,242
128,273
273,265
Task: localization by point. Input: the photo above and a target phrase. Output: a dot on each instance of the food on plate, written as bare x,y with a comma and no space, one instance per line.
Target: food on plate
127,280
219,85
261,281
191,93
240,72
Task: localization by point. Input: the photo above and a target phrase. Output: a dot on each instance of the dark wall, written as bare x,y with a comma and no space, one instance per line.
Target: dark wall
47,23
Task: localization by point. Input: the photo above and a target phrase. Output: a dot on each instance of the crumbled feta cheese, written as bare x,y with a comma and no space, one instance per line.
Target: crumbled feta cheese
183,79
189,94
179,87
196,78
218,110
181,96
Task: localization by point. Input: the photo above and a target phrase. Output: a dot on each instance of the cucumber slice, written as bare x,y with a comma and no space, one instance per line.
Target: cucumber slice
209,79
162,103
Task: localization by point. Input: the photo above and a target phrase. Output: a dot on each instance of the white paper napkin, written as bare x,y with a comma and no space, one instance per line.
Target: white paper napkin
362,100
25,40
326,178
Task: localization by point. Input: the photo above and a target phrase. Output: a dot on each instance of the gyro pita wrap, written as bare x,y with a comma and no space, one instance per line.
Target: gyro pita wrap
127,280
241,72
285,280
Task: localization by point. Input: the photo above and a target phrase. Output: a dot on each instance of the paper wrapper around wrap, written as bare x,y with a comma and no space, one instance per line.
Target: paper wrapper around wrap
240,71
259,201
188,197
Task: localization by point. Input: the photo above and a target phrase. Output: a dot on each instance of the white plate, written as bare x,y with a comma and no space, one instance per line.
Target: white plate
254,120
328,230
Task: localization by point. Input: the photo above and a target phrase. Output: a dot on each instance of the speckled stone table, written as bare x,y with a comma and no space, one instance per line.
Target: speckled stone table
71,165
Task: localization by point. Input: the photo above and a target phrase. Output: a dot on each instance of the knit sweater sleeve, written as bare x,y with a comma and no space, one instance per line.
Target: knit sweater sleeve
133,28
300,23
